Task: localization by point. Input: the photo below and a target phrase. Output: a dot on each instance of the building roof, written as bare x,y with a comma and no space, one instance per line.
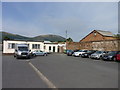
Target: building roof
47,42
105,33
101,32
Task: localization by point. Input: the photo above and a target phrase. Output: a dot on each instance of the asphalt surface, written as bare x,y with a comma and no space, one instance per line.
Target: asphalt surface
18,74
61,70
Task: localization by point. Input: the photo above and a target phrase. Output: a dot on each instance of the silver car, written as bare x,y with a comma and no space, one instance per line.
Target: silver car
97,54
39,53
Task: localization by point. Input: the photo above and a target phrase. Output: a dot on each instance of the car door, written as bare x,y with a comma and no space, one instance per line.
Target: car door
37,52
40,52
118,56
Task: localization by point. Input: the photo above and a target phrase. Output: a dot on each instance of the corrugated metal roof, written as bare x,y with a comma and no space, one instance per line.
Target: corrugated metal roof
105,33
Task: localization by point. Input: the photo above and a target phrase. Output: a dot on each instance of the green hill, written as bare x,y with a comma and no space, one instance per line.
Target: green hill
53,38
11,36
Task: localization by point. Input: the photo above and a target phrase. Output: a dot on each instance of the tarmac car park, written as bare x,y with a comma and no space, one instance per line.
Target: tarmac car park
98,55
59,68
93,54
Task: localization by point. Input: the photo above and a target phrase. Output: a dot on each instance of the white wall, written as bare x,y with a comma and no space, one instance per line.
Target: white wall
7,50
42,44
52,45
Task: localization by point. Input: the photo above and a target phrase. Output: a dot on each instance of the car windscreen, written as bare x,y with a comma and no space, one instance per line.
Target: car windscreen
23,48
69,50
90,51
112,53
98,52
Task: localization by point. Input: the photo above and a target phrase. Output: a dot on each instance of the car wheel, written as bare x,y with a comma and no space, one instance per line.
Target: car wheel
17,57
45,54
89,57
114,59
29,57
34,55
100,58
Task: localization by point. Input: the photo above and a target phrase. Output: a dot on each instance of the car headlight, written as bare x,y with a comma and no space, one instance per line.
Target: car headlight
98,55
110,56
76,53
19,53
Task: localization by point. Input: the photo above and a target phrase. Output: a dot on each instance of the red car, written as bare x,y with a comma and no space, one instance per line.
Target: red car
118,56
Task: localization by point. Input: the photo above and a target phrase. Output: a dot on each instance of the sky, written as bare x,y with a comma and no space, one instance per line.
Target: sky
41,18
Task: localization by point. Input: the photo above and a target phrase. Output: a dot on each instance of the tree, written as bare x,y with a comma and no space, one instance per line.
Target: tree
6,38
117,36
69,39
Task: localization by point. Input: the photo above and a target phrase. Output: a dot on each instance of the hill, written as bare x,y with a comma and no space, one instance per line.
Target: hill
12,36
53,38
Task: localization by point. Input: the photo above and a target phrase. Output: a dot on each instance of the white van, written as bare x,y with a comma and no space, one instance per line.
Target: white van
22,50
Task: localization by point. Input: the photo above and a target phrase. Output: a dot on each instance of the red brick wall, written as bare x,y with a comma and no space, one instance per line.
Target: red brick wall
72,45
97,37
105,45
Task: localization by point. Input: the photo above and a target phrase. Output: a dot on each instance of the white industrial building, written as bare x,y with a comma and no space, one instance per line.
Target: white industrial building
47,46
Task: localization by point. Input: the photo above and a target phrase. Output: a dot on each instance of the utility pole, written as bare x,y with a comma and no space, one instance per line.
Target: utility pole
66,34
66,39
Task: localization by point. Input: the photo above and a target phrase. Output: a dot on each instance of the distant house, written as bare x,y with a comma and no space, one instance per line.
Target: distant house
99,40
47,46
98,35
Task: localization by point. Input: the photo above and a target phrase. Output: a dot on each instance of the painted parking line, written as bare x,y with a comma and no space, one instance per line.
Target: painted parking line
44,78
24,60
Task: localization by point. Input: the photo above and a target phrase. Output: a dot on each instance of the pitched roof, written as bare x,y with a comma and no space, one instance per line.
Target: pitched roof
105,33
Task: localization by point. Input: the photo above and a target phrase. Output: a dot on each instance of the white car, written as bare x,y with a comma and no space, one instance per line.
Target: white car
39,53
79,53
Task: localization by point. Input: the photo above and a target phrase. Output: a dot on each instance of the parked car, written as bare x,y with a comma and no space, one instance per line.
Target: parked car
70,52
79,53
65,51
118,56
88,53
22,51
97,55
39,53
110,56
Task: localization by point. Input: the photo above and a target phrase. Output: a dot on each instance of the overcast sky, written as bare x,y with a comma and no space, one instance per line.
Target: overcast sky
78,18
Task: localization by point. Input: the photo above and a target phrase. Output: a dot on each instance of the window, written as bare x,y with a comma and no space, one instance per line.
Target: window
49,48
32,46
95,34
35,46
11,45
38,46
44,47
53,48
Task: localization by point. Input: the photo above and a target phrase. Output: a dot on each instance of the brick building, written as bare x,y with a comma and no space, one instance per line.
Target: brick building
72,45
100,40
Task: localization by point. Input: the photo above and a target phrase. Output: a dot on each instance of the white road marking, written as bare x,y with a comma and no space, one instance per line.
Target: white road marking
47,81
24,60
